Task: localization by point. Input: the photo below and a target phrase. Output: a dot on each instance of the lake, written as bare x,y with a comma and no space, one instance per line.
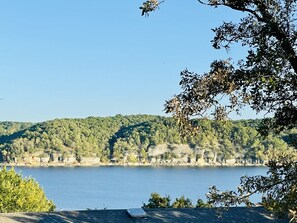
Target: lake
76,188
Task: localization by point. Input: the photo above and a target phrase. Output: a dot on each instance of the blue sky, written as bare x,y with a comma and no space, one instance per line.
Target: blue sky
78,58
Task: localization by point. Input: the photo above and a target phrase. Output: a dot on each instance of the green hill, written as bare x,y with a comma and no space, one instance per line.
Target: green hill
133,139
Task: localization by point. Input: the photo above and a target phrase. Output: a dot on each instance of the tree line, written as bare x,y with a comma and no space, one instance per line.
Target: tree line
131,138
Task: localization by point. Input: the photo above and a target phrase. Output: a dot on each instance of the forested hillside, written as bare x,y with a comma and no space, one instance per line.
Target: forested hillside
142,139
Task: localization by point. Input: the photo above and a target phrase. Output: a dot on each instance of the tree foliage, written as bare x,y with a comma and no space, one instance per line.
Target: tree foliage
182,202
132,138
266,80
157,201
149,6
279,188
21,195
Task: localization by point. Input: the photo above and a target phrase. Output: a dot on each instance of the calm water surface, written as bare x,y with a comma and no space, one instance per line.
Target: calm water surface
125,187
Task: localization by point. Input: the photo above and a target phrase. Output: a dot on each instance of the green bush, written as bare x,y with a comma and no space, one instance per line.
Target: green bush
19,194
157,201
182,202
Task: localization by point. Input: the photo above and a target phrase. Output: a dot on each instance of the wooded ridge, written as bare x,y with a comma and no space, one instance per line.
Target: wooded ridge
135,139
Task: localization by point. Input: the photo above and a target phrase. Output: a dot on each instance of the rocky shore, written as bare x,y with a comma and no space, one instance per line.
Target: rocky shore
76,164
161,155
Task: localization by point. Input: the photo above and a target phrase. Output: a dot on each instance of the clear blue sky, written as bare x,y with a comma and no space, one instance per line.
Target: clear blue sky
80,58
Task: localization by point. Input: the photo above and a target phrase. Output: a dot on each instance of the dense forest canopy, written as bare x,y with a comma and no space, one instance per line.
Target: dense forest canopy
136,139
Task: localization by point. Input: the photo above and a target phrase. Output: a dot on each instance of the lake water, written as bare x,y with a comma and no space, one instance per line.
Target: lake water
75,188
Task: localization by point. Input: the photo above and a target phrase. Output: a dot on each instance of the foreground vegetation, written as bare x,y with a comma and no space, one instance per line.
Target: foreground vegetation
264,79
136,139
19,194
158,201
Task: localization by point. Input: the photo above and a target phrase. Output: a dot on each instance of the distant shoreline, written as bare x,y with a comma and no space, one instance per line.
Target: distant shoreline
128,165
